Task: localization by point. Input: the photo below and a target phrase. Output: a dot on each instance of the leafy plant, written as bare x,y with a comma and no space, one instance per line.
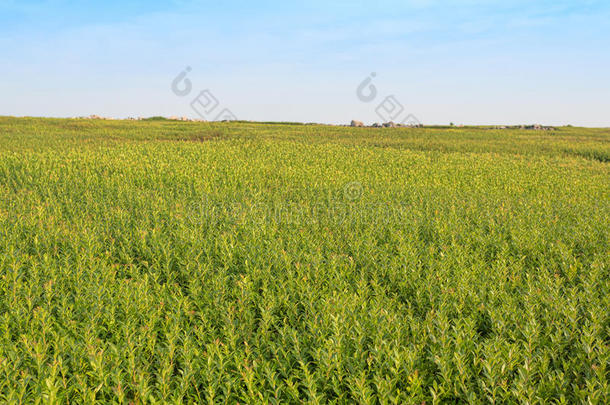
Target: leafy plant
291,263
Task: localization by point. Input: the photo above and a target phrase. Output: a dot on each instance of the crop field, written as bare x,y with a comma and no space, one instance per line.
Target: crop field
183,262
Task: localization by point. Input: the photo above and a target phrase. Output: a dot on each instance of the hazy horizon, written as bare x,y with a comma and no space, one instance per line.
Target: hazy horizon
367,124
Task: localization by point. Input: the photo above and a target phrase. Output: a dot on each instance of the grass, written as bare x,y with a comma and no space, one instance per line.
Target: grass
178,262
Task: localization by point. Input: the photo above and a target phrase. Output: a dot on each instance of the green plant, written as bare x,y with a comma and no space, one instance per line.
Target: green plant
467,265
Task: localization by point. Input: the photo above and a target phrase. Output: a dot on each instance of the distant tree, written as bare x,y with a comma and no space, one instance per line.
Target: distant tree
155,118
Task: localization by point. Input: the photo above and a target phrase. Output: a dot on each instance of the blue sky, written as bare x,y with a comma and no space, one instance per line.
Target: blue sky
471,61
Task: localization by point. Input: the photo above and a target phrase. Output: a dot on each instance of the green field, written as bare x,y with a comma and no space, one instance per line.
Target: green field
161,261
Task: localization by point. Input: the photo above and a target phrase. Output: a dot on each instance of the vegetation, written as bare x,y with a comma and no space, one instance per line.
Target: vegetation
156,118
181,262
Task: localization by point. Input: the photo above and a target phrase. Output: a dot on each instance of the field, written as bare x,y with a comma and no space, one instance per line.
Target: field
177,262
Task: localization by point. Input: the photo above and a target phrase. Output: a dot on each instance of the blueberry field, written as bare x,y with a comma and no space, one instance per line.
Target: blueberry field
181,262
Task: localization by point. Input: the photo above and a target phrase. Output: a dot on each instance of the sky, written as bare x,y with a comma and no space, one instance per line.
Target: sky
460,61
